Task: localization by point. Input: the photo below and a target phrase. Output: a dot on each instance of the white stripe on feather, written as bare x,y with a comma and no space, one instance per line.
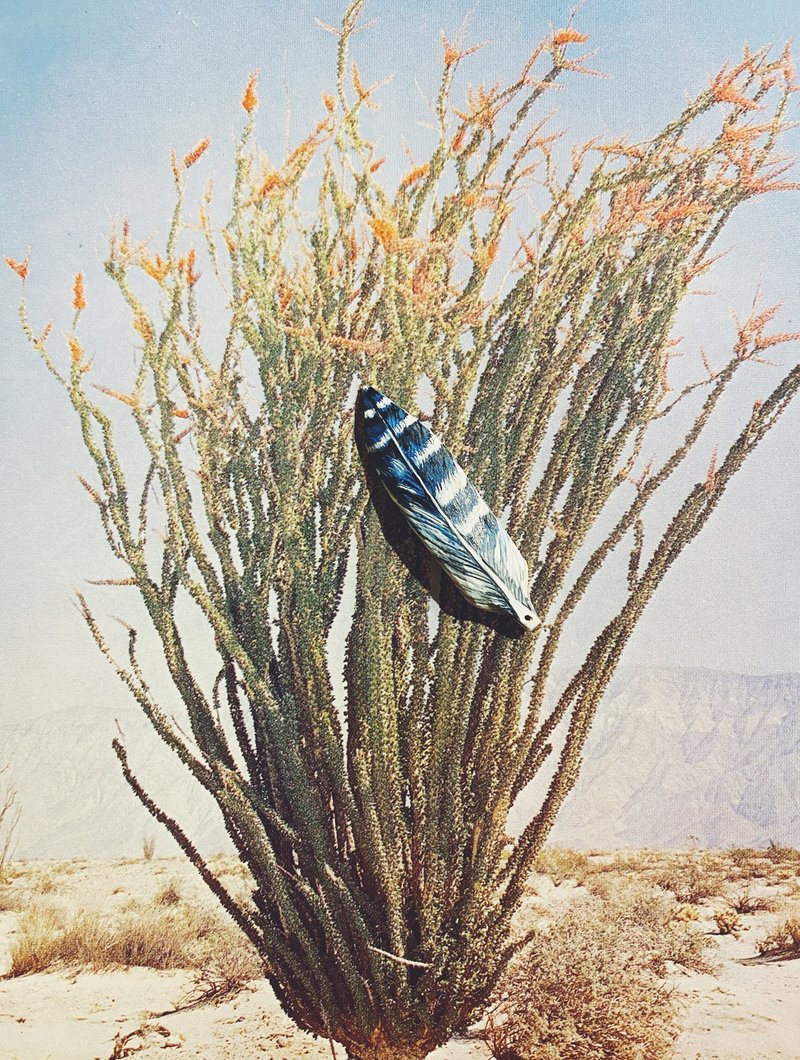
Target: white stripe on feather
381,442
468,523
384,403
369,413
450,487
433,445
405,423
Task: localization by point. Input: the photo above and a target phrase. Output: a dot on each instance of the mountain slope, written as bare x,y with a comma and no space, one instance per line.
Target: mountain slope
673,754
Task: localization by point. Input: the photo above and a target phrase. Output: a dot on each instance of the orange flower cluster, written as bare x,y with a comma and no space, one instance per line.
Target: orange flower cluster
754,182
531,257
724,90
78,294
385,231
678,211
302,154
285,296
126,399
144,328
363,92
250,97
751,338
44,335
76,351
414,175
191,276
736,134
19,267
273,181
483,106
156,267
569,35
629,206
186,266
196,152
454,53
619,147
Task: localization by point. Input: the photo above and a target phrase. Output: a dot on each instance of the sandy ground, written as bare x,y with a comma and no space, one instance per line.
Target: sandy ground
749,1010
67,1017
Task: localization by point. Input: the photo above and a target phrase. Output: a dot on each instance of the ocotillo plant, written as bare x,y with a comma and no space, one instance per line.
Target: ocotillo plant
375,832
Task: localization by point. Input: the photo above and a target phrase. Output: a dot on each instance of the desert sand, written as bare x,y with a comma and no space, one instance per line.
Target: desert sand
750,1009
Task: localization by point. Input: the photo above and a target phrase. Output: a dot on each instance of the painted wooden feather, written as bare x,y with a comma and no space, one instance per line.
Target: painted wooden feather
444,509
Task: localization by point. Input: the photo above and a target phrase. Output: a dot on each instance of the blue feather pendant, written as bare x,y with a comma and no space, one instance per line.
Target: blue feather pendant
444,509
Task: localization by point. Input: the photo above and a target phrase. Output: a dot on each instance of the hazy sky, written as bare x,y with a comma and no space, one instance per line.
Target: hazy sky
93,94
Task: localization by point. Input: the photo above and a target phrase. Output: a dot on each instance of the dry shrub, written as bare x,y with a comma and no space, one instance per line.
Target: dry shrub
136,936
148,847
692,881
742,855
782,855
591,982
623,862
775,861
758,868
784,939
561,864
223,969
744,901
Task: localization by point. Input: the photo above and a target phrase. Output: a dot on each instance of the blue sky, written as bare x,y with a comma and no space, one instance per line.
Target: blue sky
92,96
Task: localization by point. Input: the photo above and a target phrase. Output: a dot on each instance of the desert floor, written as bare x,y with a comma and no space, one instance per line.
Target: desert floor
749,1009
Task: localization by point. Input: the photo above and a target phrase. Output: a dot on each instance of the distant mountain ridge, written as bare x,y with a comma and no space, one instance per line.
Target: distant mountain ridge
680,754
674,756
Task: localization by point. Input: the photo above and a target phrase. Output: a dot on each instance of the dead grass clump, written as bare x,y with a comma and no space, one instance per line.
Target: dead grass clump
590,983
44,883
140,936
562,864
148,847
37,943
229,866
146,1034
169,895
641,863
691,881
784,939
12,899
